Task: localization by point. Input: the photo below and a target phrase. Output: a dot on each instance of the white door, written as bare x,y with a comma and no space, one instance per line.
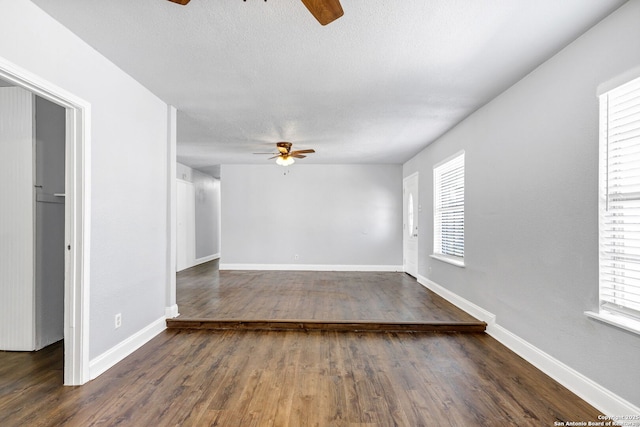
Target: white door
410,225
17,308
32,220
185,229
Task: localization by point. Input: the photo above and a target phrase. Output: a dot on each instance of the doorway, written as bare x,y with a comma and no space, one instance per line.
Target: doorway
76,114
410,209
49,188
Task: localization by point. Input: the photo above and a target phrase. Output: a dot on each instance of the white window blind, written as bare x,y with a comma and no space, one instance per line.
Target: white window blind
620,200
448,179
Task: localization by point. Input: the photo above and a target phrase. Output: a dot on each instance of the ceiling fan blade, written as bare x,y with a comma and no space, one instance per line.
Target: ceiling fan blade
268,153
275,157
182,2
310,150
325,11
297,156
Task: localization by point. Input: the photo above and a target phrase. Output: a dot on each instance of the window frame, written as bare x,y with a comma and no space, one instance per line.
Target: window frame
618,315
451,164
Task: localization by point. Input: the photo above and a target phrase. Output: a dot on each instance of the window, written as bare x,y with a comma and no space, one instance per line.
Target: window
619,206
448,210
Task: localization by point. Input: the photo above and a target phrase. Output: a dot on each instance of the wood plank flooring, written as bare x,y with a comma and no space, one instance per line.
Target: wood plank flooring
295,378
275,300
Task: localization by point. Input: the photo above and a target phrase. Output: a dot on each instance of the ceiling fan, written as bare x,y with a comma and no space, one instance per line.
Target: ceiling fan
285,156
325,11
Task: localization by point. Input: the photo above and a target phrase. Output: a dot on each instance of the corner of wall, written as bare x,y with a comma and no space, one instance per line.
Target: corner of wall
171,311
117,353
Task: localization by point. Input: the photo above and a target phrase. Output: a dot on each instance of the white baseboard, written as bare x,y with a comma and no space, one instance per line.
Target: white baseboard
109,358
466,305
199,261
202,260
311,267
171,312
593,393
588,390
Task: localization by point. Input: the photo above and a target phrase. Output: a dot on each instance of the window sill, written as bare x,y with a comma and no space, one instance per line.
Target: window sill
458,262
616,320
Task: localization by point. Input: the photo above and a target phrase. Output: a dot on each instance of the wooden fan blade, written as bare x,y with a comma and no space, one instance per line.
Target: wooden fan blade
182,2
275,157
297,156
268,153
325,11
311,150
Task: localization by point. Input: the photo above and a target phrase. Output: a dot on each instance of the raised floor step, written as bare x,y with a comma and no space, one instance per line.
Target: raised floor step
323,325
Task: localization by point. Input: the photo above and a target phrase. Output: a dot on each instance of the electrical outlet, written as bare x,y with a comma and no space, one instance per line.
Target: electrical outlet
118,320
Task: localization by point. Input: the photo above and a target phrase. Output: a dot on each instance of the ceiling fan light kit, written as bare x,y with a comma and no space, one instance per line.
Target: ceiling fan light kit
286,157
325,11
285,160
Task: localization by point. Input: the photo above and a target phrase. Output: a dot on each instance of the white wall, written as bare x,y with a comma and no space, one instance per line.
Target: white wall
128,194
328,215
531,229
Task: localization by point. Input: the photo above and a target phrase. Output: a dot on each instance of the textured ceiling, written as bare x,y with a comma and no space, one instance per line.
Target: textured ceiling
375,86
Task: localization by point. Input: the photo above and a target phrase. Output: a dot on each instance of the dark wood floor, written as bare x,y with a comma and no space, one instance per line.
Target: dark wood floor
205,292
209,298
187,377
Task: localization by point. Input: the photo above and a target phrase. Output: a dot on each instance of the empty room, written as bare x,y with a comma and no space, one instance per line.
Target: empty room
319,212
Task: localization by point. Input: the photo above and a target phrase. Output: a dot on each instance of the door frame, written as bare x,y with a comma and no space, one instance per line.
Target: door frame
405,180
77,216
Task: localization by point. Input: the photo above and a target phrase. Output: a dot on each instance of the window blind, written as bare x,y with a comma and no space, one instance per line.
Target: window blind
620,200
448,221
